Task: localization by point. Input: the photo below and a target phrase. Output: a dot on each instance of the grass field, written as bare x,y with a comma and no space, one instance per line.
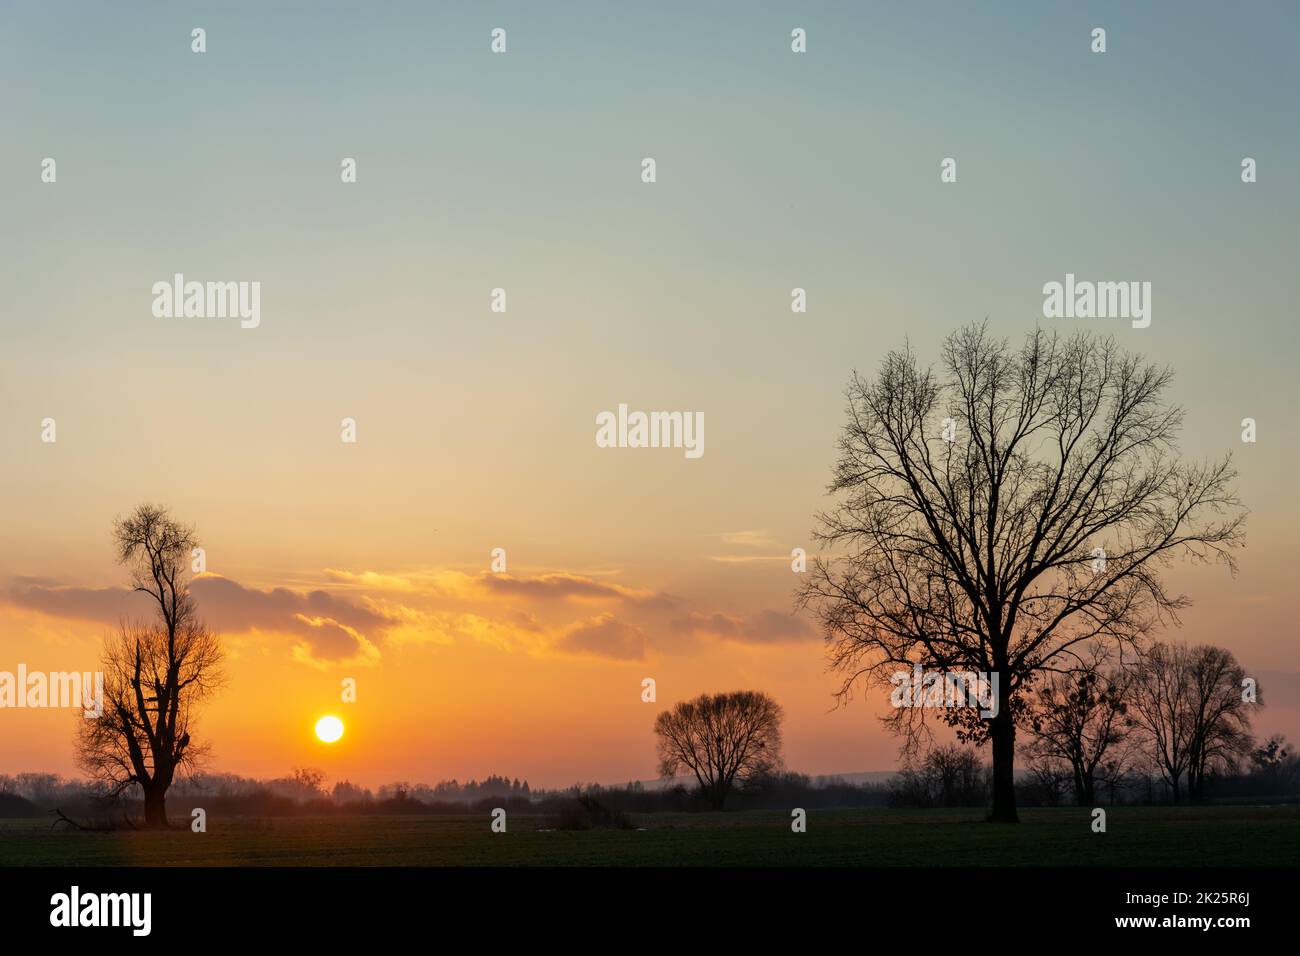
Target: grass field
1136,836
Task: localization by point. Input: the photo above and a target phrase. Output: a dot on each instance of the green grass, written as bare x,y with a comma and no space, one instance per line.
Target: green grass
1136,836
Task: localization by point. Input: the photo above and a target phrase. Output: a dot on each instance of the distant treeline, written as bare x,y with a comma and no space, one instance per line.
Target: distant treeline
955,776
948,776
304,793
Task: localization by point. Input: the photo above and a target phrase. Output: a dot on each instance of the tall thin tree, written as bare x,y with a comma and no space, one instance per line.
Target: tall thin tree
155,672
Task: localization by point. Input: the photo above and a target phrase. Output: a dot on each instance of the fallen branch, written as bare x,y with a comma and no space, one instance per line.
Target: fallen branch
106,827
64,818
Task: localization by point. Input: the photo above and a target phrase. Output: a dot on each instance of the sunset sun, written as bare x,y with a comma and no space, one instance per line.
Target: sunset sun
329,729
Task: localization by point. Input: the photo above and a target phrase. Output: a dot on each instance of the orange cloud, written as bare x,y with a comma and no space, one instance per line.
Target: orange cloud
355,615
605,636
765,627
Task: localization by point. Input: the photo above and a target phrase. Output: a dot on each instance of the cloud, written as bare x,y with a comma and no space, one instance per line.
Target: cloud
328,641
420,626
758,538
776,627
605,636
26,580
355,614
328,627
560,586
229,606
370,580
105,605
765,627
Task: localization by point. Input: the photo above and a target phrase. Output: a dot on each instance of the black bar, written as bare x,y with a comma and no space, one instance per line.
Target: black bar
326,905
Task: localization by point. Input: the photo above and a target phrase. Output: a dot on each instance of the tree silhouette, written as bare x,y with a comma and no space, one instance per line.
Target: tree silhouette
1189,702
1220,715
155,672
997,514
721,739
1079,717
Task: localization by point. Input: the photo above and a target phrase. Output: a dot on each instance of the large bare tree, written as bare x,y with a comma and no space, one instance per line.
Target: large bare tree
1000,512
721,739
155,672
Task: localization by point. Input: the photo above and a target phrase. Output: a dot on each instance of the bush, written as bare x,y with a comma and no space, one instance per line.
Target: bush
587,813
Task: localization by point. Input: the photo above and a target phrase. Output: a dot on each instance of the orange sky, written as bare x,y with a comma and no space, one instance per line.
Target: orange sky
532,673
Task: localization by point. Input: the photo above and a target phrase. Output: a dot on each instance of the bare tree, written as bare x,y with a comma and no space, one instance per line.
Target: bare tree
1190,704
1050,776
957,775
949,775
721,739
1080,717
155,673
1121,770
1221,737
1160,705
310,782
1274,761
997,514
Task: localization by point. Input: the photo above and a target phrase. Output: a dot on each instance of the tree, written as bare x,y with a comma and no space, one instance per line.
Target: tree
997,514
1220,716
1269,759
1274,761
1159,701
1049,776
1189,703
347,792
309,783
948,776
155,673
1078,717
722,739
1118,771
957,775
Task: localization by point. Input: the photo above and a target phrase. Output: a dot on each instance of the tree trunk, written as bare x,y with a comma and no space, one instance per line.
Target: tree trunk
155,807
718,796
1003,732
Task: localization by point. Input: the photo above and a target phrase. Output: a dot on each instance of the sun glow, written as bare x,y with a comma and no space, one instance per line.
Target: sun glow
329,729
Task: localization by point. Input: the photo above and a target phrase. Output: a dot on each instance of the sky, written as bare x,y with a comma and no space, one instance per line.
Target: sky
522,171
